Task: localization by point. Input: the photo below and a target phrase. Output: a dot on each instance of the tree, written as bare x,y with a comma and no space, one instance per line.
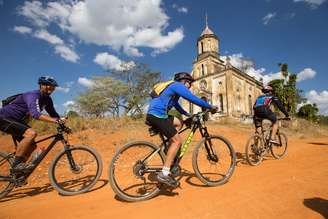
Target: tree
140,81
106,95
72,114
286,89
309,112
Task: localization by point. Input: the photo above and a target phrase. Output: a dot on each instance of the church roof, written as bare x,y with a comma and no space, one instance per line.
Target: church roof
206,31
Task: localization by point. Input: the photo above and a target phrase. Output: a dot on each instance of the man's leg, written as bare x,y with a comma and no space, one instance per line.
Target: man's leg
274,131
25,147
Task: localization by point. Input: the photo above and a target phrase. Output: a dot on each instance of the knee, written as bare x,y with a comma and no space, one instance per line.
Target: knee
30,133
177,140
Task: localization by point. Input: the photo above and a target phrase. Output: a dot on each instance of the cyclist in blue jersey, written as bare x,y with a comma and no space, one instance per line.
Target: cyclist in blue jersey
13,119
157,116
262,110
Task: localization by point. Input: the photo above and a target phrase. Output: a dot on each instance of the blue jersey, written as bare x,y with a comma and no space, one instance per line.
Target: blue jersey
159,106
28,104
266,100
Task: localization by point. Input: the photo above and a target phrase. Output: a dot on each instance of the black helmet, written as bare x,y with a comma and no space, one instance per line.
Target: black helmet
267,89
47,80
183,76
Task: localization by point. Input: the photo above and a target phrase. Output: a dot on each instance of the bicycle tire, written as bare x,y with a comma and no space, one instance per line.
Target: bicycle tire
59,186
257,158
114,181
274,153
5,165
230,170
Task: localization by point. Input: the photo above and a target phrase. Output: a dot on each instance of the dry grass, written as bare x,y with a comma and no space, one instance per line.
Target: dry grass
297,127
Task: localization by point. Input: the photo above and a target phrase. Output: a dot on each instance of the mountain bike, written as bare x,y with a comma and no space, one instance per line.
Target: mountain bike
133,169
258,145
74,170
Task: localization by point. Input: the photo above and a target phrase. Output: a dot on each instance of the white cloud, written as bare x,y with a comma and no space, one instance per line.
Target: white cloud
67,53
50,38
126,25
321,99
63,89
248,66
66,88
22,29
85,82
108,61
267,18
305,74
181,9
313,3
68,104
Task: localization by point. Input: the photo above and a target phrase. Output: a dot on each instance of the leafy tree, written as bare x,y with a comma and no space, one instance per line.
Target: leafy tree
140,81
106,95
72,114
286,89
309,112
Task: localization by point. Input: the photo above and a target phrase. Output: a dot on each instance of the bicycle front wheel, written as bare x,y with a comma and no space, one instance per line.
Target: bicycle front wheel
279,150
214,160
75,170
132,171
254,150
6,185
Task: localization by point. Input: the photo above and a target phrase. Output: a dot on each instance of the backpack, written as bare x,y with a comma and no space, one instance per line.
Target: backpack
263,100
159,88
9,100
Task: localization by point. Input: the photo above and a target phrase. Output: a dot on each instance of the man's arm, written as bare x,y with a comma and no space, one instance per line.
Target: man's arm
178,107
281,107
182,91
50,109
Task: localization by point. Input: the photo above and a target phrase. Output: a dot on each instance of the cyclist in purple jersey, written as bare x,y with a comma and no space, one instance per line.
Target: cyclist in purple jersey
14,115
262,110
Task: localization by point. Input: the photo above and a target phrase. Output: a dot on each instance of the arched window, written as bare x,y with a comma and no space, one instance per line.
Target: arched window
203,70
250,104
202,46
221,102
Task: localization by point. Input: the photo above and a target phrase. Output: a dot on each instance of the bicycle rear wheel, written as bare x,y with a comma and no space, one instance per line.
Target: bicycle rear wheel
6,185
253,150
214,168
75,170
279,150
131,175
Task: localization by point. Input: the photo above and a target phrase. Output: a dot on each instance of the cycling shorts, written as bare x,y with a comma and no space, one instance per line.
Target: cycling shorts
13,128
163,125
263,112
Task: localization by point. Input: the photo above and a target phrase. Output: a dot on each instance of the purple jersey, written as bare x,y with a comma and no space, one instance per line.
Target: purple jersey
30,103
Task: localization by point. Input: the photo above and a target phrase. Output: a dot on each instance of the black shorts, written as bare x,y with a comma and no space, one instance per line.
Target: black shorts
261,113
164,126
13,128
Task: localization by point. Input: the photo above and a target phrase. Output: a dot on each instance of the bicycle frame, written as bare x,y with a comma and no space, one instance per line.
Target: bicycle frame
56,138
183,149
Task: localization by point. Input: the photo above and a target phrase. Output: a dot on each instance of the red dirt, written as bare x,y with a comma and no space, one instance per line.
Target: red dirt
294,187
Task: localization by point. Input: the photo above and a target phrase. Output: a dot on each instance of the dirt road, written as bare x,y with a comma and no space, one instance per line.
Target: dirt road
294,187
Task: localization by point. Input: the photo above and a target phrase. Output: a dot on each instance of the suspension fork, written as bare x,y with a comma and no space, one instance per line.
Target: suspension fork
208,142
69,155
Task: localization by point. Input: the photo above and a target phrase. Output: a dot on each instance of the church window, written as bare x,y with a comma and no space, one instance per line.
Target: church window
221,102
250,104
203,70
202,46
203,85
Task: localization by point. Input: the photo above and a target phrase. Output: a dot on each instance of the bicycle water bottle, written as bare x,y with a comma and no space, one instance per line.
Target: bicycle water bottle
37,154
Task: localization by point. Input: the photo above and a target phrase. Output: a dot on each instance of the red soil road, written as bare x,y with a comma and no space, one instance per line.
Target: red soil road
294,187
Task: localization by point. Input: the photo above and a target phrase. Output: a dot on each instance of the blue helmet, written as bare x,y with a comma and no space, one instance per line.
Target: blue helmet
47,80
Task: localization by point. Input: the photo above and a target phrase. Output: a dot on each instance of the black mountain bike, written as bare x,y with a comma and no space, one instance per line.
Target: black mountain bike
74,170
258,145
133,169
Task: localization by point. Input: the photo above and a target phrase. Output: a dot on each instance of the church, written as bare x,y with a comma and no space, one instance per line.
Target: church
219,83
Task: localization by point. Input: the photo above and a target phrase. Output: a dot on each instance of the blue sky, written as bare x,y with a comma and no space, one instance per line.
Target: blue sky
77,40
